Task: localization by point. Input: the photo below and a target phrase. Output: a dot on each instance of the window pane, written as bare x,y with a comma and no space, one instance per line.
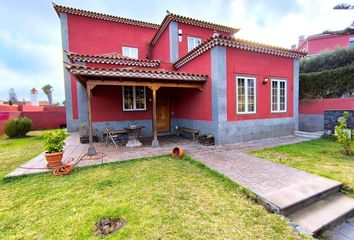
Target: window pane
241,95
128,97
282,96
140,97
251,97
274,95
193,42
130,52
134,53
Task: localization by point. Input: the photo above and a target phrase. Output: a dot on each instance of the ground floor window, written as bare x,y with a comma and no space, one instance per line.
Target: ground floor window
134,98
246,94
279,95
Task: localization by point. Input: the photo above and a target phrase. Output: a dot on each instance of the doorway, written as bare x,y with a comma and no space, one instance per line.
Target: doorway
163,115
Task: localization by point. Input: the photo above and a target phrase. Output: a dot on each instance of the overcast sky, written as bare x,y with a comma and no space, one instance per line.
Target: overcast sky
30,40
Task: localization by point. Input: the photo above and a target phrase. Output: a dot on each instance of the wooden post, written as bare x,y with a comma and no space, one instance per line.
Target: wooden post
155,142
91,150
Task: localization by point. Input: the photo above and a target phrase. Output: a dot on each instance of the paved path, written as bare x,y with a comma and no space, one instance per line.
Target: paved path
259,175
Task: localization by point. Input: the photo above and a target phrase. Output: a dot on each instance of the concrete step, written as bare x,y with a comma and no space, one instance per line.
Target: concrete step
301,194
311,135
323,214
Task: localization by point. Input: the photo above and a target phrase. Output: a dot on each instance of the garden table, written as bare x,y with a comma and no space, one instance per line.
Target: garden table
133,135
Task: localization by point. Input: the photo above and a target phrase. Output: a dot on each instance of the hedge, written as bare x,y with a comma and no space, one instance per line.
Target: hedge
326,61
17,128
334,83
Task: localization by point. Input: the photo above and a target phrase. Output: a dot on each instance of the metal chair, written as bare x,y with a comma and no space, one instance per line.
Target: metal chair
113,136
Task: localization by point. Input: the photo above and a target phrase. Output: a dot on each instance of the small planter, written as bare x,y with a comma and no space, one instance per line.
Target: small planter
54,159
85,139
206,140
177,152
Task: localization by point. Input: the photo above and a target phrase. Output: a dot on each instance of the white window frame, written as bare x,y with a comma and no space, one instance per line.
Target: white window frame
195,43
278,96
246,95
129,50
134,100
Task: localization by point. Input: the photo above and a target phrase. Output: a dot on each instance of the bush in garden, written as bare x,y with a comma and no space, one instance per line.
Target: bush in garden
54,141
17,128
344,135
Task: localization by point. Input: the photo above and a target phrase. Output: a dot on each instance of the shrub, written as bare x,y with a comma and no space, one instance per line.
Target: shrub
329,60
344,135
54,140
333,83
17,128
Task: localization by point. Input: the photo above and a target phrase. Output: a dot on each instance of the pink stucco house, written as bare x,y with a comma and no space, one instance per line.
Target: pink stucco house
183,72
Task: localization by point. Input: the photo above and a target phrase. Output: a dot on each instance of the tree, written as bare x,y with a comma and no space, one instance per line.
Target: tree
47,90
12,96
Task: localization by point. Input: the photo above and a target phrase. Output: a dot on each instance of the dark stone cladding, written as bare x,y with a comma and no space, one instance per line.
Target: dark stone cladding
331,119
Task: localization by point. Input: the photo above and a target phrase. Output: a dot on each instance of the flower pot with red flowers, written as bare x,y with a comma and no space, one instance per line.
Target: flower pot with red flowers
54,144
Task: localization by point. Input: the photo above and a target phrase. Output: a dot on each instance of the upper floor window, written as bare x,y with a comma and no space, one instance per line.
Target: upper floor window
246,94
130,52
193,42
279,95
134,98
351,42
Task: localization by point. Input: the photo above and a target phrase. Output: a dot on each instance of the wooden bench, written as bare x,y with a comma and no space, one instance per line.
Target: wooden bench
193,132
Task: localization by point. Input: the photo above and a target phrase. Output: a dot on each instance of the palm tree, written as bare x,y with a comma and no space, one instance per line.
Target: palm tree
47,90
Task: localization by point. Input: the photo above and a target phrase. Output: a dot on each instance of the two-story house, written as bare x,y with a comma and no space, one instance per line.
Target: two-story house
183,72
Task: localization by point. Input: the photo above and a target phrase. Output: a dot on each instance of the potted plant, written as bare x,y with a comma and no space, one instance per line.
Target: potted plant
54,144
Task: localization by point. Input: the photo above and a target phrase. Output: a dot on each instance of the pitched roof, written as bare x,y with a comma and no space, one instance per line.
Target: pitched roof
102,16
190,21
112,58
138,73
228,41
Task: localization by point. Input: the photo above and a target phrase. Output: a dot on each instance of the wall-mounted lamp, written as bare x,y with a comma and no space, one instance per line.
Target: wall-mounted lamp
266,79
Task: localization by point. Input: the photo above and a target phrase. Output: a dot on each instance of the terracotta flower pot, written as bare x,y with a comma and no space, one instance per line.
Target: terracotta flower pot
177,152
54,159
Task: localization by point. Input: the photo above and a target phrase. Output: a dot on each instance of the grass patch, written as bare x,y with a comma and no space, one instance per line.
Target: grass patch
16,151
161,198
320,156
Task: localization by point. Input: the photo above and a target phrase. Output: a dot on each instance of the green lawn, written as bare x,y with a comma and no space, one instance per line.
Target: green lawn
160,198
322,157
14,152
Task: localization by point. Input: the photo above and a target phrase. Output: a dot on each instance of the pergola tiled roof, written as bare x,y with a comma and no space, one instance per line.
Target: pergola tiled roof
228,41
190,21
102,16
137,73
112,58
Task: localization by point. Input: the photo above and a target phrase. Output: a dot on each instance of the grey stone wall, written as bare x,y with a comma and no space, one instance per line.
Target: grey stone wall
311,122
248,130
331,119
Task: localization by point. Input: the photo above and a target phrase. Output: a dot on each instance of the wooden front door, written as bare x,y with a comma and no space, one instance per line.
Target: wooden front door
163,115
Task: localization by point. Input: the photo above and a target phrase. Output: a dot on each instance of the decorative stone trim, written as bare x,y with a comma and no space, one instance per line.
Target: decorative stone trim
112,58
102,16
227,41
191,21
134,73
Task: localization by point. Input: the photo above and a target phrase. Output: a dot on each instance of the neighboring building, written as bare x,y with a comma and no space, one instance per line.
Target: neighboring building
198,75
316,44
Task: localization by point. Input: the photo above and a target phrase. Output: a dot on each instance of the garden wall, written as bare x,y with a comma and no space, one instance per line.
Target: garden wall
331,119
311,112
43,117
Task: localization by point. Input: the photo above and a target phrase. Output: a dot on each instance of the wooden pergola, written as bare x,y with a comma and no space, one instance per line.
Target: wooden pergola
153,79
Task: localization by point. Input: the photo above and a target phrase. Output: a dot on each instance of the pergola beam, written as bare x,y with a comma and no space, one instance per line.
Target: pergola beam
93,83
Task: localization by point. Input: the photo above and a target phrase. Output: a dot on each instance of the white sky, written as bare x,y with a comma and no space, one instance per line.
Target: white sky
30,40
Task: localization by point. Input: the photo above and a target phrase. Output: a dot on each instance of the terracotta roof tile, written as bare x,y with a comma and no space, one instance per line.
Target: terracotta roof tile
190,21
228,41
141,73
102,16
112,58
